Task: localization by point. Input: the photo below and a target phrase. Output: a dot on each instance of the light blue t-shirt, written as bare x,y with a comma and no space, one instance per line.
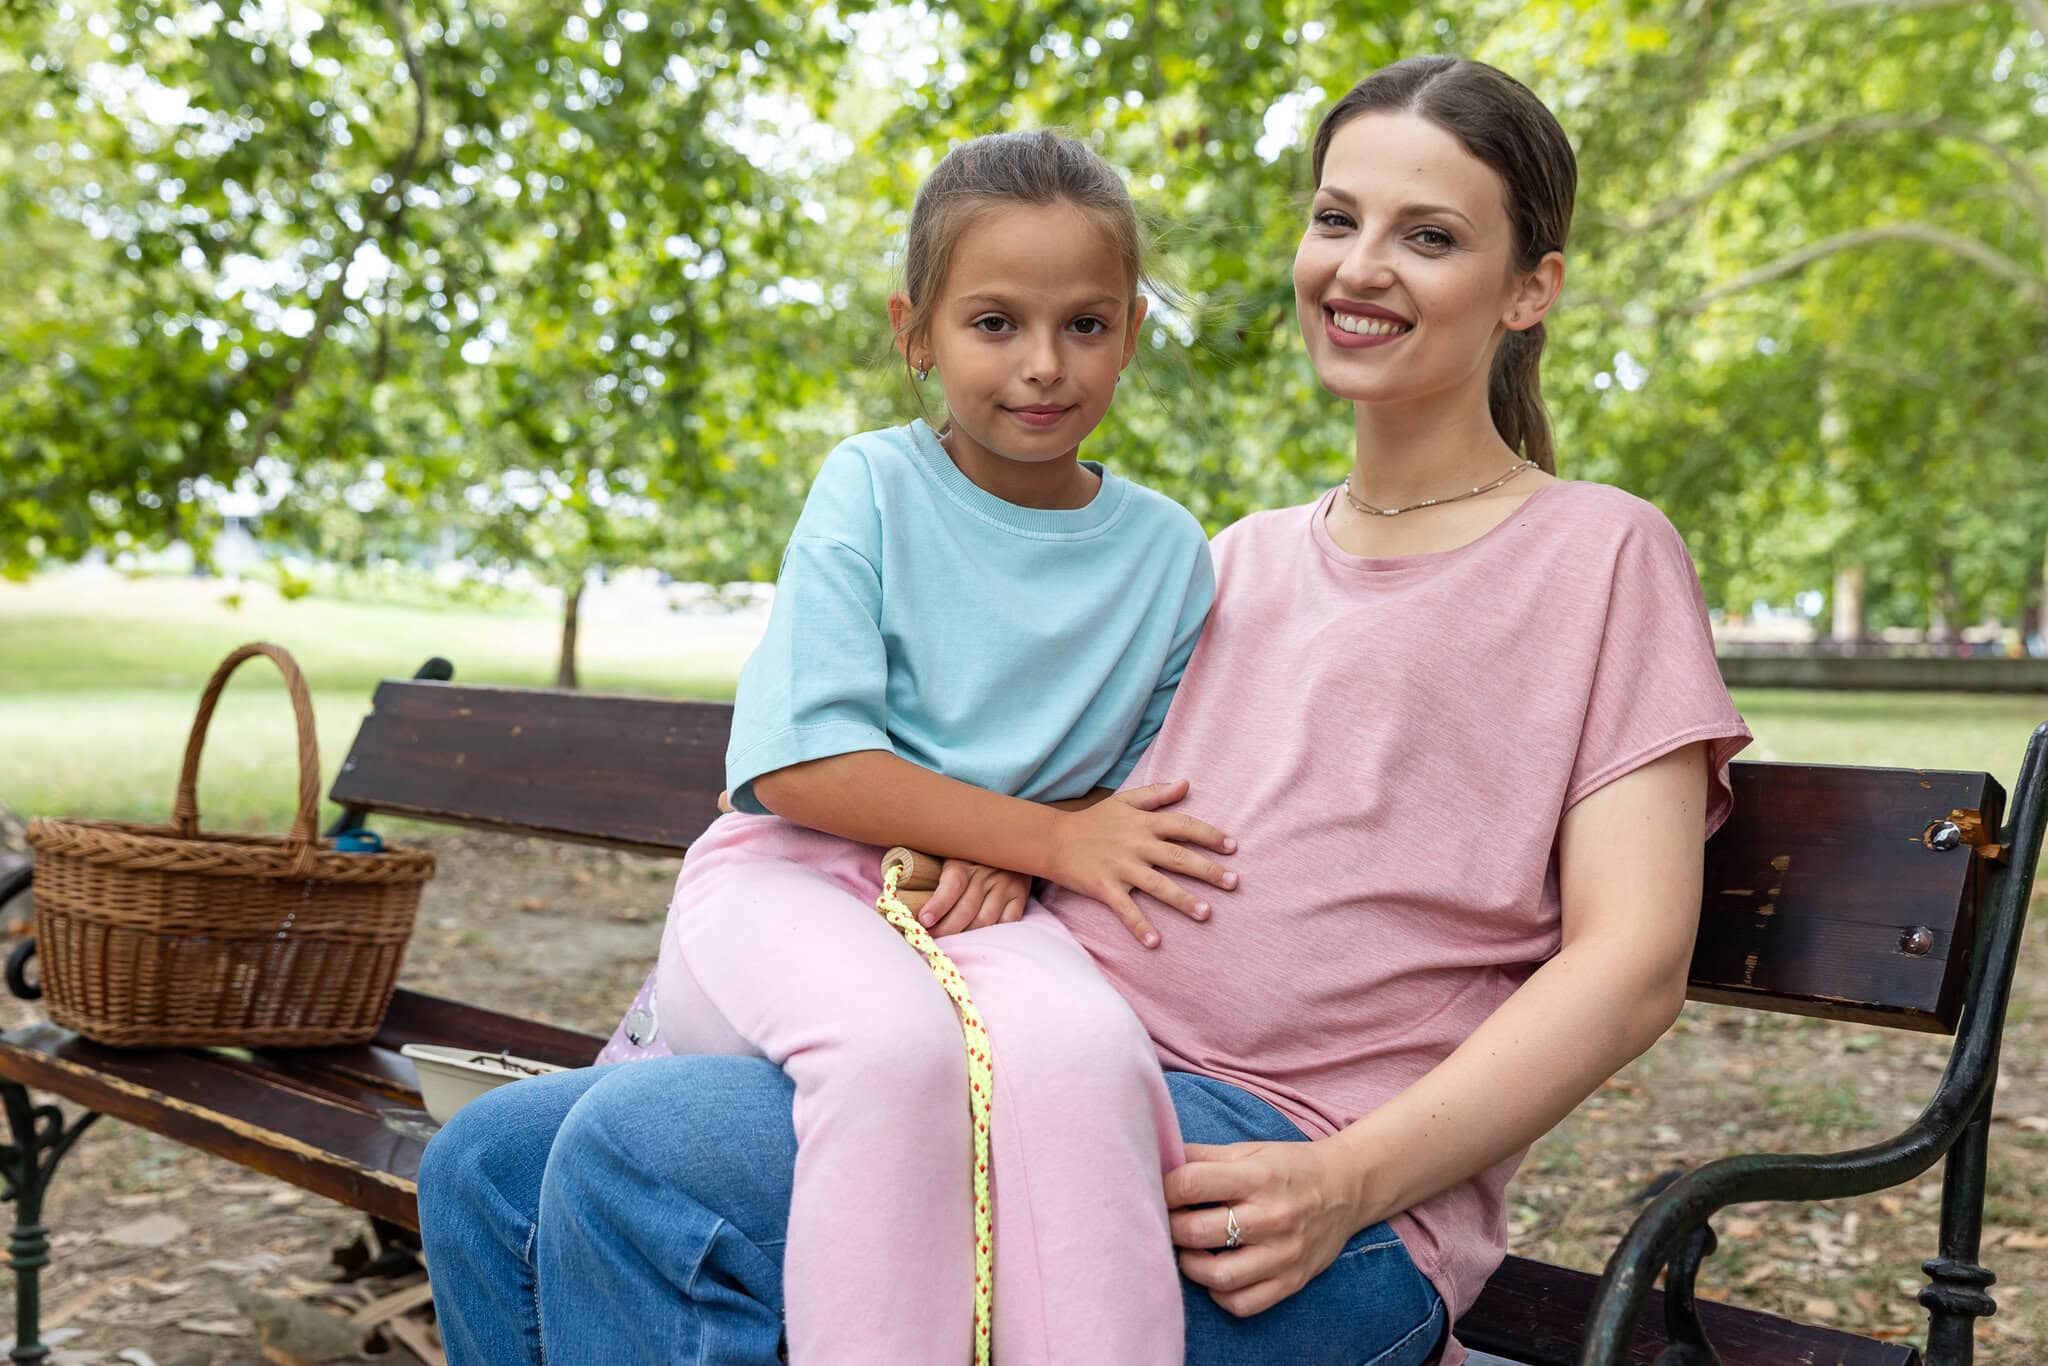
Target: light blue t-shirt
1028,651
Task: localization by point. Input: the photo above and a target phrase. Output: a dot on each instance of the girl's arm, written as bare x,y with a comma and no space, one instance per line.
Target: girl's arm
1102,851
1630,861
971,895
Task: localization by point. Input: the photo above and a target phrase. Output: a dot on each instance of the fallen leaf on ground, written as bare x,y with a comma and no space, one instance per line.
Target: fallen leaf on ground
53,1338
1823,1310
81,1302
215,1328
2022,1241
255,1264
2033,1123
152,1230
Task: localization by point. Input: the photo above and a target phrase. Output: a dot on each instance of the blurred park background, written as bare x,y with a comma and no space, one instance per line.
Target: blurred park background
513,330
492,329
498,329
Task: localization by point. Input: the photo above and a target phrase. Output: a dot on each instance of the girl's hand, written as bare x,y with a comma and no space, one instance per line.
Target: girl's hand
1122,842
1294,1214
970,895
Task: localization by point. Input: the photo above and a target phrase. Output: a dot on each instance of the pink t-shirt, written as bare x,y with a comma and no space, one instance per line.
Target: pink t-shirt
1393,742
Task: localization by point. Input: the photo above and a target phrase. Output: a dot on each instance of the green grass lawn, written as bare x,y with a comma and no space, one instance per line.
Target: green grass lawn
99,680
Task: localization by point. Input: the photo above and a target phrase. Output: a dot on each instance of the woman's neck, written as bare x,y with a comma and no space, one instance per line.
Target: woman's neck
1425,449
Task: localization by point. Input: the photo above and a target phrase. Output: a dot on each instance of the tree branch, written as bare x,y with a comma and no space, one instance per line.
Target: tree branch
2029,186
1969,248
332,299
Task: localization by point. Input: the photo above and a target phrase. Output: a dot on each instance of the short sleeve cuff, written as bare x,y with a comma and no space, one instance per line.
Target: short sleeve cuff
1725,739
796,745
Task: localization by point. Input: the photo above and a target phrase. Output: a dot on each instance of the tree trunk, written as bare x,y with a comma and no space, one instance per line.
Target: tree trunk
1849,610
565,669
1947,610
2040,622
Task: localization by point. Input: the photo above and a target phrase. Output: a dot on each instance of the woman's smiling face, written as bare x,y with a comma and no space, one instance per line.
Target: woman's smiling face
1404,275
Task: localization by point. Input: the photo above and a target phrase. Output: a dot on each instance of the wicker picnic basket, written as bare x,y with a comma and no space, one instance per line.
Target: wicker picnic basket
161,935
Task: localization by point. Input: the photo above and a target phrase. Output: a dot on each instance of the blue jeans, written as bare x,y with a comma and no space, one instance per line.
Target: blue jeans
635,1214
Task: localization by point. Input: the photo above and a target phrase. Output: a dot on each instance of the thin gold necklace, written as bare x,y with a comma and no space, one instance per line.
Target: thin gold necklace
1369,510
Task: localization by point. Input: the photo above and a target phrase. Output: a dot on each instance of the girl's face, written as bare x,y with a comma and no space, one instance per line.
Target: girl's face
1031,329
1405,276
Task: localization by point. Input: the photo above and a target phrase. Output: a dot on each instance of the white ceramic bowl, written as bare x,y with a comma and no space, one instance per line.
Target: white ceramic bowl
451,1078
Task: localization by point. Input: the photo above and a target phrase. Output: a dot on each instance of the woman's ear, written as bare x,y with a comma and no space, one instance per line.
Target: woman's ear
899,319
1135,326
1535,293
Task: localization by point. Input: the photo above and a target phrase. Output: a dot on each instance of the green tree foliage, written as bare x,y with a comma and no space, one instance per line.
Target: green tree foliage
575,287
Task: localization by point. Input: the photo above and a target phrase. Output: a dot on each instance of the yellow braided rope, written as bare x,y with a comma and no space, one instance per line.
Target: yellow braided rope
980,1091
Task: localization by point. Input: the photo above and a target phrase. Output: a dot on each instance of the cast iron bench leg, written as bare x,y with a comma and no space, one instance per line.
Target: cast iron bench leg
40,1141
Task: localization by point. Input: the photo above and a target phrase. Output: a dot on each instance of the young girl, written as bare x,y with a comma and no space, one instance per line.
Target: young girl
969,622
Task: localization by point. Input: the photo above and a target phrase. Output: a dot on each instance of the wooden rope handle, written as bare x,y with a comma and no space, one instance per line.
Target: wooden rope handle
917,876
301,840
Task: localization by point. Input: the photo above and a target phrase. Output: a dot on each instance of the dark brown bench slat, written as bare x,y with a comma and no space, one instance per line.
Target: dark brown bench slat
1815,879
330,1147
1819,936
620,771
310,1117
1534,1313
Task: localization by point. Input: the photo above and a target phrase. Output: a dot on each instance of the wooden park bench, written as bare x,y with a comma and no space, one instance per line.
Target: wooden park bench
1880,896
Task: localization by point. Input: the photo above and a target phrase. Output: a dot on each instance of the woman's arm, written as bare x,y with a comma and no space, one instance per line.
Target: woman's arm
1102,851
1630,860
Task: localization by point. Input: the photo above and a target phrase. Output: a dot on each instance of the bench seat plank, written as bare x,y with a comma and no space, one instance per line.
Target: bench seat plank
1534,1314
340,1122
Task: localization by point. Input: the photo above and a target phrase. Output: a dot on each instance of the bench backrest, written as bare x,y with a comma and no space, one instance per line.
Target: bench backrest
1825,893
629,772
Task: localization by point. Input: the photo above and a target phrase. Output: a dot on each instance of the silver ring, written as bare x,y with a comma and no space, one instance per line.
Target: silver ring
1233,1234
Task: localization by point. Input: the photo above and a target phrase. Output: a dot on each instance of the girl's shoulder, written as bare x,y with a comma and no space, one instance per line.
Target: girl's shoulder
1158,515
864,457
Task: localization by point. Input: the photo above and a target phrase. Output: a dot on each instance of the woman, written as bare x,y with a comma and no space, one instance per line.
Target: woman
1464,722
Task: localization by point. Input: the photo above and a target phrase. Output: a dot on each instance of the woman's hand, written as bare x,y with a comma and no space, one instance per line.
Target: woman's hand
970,895
1295,1210
1121,843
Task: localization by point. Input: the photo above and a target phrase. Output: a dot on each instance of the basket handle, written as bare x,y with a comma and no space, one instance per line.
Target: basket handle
301,842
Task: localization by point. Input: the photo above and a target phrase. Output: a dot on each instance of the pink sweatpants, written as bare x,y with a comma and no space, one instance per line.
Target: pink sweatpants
773,947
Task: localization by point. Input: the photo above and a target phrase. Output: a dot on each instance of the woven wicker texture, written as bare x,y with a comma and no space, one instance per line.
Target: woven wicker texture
161,935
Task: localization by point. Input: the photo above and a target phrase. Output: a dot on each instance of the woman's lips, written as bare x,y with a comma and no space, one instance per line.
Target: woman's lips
1355,340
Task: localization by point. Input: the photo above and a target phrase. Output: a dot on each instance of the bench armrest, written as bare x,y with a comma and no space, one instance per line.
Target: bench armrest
1673,1229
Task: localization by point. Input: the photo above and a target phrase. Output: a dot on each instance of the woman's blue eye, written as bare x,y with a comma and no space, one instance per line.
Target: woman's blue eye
1436,237
1330,218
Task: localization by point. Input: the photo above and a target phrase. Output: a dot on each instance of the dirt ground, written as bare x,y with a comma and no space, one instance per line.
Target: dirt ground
150,1237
